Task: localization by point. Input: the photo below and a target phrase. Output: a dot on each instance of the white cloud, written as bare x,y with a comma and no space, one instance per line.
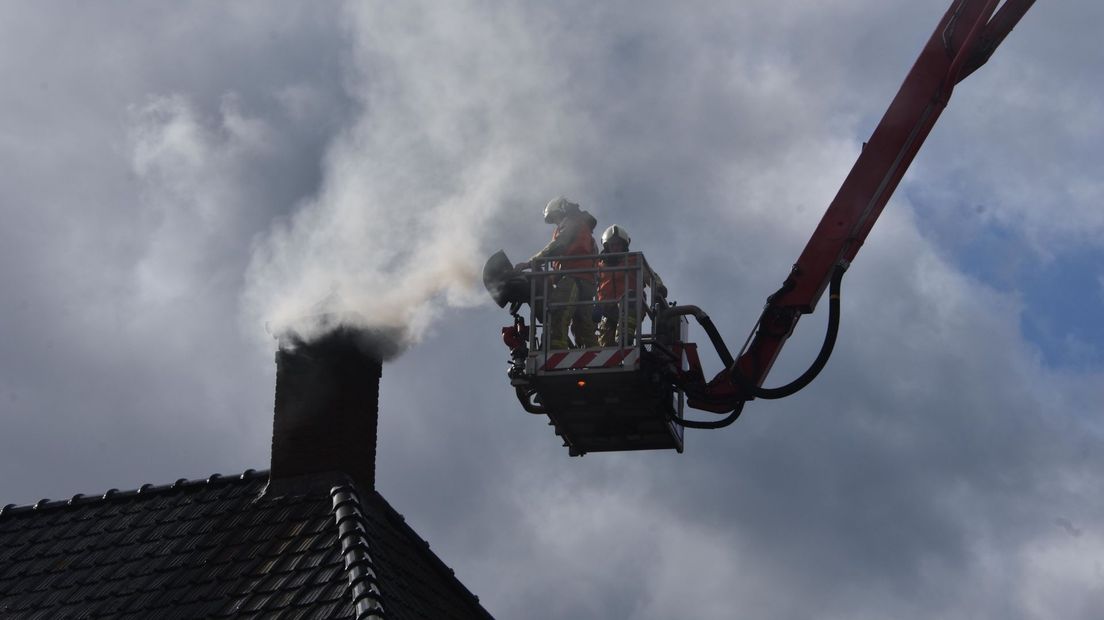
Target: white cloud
194,197
1063,574
936,468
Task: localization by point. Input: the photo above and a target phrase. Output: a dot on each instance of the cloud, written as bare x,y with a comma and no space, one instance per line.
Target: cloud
198,205
246,165
143,160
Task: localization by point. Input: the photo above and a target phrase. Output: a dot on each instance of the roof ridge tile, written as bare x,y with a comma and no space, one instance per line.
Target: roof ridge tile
352,533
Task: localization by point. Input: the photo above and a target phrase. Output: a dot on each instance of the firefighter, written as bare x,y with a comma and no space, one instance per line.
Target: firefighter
618,287
573,236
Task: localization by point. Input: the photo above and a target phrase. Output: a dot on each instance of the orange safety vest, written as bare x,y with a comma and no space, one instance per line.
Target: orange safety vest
582,245
611,284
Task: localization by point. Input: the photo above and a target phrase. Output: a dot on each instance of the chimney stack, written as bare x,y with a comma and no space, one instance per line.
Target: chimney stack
327,406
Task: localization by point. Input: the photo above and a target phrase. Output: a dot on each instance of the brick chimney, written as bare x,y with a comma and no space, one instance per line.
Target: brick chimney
327,406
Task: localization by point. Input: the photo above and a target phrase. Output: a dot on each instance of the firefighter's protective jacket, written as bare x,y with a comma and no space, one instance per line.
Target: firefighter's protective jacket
612,284
574,236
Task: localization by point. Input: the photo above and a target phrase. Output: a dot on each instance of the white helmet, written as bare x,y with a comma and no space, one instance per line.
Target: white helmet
561,206
616,231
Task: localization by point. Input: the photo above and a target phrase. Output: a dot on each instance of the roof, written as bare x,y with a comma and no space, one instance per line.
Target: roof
223,548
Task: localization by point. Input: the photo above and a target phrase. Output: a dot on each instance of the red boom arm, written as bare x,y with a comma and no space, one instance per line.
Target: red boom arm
966,36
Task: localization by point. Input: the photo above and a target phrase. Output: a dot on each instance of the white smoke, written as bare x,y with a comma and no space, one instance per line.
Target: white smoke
455,118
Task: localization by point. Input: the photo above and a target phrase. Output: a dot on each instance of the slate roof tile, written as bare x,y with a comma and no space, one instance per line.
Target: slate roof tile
218,548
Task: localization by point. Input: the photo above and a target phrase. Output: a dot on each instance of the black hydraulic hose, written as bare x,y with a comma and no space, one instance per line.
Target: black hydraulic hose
729,419
817,365
710,329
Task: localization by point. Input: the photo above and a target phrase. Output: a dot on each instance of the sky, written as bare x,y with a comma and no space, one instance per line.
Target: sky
182,180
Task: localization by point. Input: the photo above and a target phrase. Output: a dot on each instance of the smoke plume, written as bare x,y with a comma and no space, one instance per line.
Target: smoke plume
442,142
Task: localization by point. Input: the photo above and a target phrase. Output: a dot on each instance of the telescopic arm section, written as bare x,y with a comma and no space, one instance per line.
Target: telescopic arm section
964,40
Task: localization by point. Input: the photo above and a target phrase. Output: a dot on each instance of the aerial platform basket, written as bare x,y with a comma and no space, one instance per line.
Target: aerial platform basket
598,399
630,396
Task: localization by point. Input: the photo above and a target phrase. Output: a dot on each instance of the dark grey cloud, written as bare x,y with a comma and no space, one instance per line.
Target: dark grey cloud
173,170
144,150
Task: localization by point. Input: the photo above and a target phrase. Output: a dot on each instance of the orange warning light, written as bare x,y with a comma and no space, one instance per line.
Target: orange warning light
582,383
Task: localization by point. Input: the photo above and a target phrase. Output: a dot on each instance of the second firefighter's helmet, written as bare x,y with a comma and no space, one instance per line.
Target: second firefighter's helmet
616,231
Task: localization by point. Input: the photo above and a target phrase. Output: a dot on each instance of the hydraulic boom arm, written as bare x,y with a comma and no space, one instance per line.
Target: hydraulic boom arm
964,40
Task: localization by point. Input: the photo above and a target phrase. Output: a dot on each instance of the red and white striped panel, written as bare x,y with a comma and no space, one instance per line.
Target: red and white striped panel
578,359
